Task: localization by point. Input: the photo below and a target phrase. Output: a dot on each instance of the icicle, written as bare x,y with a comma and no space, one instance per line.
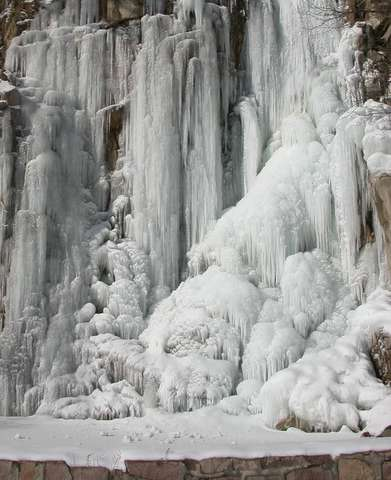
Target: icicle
252,142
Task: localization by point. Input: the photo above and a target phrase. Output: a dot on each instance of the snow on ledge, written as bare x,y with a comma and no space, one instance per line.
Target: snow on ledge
203,434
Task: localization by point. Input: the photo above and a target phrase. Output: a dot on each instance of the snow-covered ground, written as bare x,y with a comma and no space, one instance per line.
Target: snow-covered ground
205,433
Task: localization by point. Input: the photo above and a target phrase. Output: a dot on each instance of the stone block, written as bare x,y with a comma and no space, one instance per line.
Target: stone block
120,475
263,477
216,465
285,462
156,470
354,469
89,473
244,464
387,471
8,470
311,473
31,471
57,471
122,10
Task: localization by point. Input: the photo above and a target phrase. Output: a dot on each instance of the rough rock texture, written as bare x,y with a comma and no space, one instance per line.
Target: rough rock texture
361,466
381,356
123,10
381,189
16,16
378,50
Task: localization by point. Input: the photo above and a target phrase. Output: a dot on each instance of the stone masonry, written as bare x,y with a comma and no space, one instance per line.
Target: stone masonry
360,466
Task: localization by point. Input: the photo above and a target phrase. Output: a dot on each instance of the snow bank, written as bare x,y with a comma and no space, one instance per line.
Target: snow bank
330,388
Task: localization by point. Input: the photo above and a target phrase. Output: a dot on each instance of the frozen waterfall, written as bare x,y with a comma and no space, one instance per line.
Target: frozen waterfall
182,228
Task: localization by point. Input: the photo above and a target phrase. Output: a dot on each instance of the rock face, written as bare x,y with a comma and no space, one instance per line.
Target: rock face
377,50
381,355
381,188
17,17
118,11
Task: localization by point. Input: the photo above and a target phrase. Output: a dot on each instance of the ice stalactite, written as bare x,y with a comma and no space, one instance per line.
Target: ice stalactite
177,99
311,286
277,218
252,142
350,65
192,6
285,32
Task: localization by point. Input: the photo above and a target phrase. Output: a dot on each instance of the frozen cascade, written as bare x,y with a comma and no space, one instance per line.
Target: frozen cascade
175,206
179,229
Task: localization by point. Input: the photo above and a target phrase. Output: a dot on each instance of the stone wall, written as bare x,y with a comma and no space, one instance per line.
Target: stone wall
360,466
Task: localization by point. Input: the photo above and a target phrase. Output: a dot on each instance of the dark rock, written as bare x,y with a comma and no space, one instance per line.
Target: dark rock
380,353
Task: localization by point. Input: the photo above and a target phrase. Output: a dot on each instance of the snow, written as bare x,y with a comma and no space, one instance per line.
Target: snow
203,434
378,419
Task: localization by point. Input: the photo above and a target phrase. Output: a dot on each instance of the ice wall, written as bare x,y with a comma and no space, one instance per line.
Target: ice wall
181,228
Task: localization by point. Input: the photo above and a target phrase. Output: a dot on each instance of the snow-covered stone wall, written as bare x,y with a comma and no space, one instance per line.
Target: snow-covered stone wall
368,466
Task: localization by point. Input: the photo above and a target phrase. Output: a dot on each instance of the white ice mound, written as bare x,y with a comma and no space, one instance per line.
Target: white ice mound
287,210
211,314
378,418
116,400
327,389
310,288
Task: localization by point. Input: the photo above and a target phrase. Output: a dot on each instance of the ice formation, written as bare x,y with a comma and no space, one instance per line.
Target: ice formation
176,233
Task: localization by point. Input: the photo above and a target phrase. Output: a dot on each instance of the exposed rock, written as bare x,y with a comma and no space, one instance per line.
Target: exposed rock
17,15
114,131
381,356
118,11
294,422
381,188
377,45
